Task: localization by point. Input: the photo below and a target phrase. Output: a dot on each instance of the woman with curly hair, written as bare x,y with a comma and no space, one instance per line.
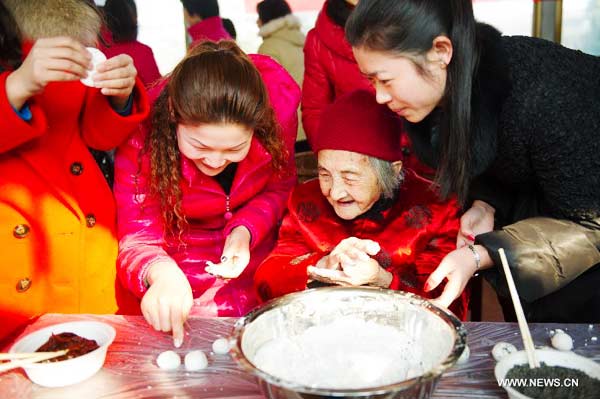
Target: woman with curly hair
201,190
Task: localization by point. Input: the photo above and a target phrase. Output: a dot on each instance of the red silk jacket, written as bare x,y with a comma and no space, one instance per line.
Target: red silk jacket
415,233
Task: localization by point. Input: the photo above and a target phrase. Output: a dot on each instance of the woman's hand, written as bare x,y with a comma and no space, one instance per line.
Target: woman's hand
115,78
236,255
478,219
167,303
56,59
350,264
457,267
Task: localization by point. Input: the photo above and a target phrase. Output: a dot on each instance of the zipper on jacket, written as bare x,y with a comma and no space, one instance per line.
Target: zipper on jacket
228,214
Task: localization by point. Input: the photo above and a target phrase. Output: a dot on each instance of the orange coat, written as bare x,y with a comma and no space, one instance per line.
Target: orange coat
57,213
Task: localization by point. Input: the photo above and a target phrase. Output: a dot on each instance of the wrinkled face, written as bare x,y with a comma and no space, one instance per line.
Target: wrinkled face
348,181
214,146
400,85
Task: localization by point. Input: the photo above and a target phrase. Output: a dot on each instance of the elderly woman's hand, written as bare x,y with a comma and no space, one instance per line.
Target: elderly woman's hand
350,264
115,78
479,219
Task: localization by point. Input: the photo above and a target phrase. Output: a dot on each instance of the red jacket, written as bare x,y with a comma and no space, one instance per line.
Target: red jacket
143,59
57,213
208,29
415,233
330,71
257,200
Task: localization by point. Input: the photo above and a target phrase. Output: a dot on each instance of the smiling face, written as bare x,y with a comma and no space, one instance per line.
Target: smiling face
348,181
400,85
212,147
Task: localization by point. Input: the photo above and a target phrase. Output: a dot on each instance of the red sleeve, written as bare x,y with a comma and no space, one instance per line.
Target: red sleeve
102,127
15,130
284,270
317,91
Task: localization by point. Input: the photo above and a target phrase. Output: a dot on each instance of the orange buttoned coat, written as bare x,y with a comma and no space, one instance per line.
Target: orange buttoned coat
58,243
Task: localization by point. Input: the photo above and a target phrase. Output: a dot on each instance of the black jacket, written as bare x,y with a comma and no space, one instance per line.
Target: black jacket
535,158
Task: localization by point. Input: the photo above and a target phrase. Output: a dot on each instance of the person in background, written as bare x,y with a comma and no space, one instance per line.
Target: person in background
121,20
203,21
229,27
330,71
56,209
511,124
282,40
201,190
365,221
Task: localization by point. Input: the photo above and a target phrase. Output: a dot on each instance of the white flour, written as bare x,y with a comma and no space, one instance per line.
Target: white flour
349,353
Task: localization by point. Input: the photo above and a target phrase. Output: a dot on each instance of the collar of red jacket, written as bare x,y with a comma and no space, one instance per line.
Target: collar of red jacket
332,35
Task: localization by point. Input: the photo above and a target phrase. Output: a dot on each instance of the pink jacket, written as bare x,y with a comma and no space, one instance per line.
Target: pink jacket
258,198
143,59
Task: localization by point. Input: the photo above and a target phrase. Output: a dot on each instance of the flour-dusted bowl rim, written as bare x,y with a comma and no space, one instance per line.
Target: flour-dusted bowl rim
320,304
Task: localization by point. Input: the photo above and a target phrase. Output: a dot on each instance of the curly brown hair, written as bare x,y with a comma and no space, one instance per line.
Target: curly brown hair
215,83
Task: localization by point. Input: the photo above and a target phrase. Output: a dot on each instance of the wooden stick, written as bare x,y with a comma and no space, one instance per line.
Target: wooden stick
15,356
30,360
525,333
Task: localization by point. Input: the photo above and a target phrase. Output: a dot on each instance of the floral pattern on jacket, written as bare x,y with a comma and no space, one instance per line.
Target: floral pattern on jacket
415,234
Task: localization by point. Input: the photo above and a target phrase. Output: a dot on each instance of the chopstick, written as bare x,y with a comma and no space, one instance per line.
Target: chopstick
523,327
23,359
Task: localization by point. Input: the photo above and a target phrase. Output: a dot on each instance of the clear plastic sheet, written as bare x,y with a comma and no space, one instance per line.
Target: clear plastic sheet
130,370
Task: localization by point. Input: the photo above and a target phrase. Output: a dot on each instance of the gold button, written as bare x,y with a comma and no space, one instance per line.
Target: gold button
23,284
21,231
90,220
76,168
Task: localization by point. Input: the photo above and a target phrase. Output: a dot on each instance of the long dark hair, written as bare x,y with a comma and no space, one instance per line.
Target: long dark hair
338,11
121,19
10,40
408,28
215,83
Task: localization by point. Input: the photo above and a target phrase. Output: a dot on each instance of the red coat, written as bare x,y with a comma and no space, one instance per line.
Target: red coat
257,200
415,234
330,71
143,59
57,213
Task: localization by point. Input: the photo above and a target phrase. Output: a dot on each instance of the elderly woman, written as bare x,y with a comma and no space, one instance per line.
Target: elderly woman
365,221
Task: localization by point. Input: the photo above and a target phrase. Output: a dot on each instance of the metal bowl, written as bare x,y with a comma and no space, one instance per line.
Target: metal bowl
438,334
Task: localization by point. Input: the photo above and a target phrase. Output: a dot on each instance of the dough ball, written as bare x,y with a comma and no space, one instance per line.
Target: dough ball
502,349
562,341
168,360
220,346
195,360
97,58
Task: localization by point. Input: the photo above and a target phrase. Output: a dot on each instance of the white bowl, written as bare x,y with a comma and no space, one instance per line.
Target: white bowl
550,357
70,371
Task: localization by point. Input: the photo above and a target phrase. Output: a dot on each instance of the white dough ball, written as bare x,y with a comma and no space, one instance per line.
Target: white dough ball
464,357
562,341
502,349
168,360
220,346
195,360
97,58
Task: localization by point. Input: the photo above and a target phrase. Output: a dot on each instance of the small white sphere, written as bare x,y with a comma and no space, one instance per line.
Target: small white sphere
562,341
195,360
464,357
168,360
502,349
220,346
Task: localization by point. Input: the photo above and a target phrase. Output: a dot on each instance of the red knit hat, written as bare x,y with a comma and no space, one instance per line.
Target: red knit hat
356,122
